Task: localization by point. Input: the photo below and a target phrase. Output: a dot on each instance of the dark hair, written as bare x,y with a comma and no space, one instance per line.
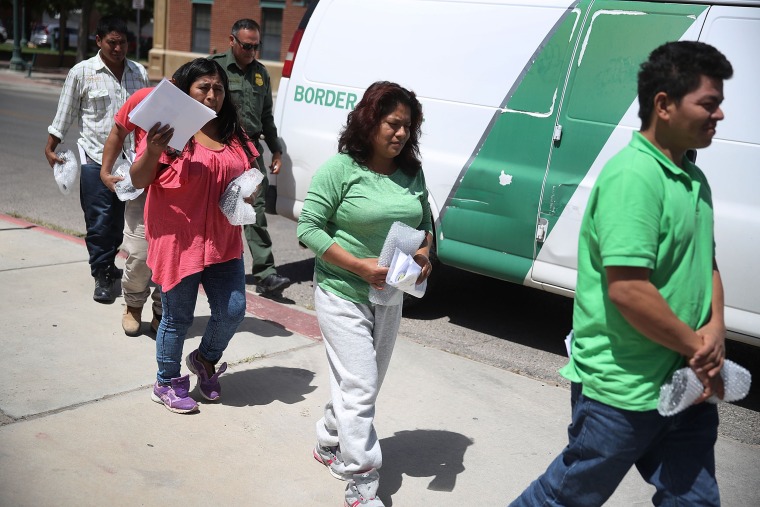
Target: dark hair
676,68
245,24
108,24
380,100
228,120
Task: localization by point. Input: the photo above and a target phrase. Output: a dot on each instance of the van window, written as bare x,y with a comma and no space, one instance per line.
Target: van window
739,39
604,75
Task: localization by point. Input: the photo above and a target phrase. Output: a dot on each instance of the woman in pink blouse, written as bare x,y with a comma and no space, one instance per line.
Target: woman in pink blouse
190,241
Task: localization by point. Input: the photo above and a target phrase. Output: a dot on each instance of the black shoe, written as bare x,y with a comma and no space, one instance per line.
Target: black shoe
115,272
272,284
104,287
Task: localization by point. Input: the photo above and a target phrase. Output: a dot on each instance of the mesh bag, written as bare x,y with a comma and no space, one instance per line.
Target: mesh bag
408,240
66,173
125,191
237,211
684,388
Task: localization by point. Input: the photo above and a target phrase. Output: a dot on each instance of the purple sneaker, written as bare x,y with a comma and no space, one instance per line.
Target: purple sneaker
175,396
208,386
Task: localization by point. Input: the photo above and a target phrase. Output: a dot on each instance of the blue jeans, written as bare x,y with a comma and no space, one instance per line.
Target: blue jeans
224,284
674,454
103,218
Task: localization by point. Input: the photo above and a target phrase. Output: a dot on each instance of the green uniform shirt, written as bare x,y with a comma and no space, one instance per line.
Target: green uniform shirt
251,92
353,206
644,211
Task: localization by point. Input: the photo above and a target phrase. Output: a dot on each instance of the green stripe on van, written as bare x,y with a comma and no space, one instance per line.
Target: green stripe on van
494,211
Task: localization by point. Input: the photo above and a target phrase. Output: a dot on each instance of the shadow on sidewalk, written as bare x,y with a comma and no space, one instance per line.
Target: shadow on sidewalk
262,386
422,453
298,271
254,325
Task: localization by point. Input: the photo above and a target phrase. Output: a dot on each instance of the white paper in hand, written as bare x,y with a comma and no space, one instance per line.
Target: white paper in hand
408,240
403,273
168,105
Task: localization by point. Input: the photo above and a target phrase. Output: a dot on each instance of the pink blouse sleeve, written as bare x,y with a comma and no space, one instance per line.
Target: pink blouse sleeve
174,174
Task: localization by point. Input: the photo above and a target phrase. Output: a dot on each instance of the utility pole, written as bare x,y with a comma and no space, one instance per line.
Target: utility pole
23,22
138,5
17,62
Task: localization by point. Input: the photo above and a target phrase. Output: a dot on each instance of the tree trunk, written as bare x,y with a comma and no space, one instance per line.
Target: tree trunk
63,36
84,30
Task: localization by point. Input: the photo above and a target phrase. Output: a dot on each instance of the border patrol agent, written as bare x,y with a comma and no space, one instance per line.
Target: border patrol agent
251,91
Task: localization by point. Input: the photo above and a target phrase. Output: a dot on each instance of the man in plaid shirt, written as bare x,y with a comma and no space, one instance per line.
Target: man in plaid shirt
94,91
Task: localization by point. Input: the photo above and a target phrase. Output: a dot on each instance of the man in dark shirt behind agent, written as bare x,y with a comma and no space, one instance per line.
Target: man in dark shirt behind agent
251,91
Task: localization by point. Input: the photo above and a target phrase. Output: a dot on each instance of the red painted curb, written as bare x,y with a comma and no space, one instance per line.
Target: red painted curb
60,235
29,225
263,308
284,315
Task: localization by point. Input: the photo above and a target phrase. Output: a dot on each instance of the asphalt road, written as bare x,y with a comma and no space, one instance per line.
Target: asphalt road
490,321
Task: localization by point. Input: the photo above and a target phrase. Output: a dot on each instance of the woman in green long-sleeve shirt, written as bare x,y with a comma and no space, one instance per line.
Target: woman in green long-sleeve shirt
375,180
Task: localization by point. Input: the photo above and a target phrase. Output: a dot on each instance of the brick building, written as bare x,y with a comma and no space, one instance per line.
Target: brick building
187,29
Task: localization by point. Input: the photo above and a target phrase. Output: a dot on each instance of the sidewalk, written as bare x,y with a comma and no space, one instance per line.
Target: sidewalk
79,428
49,78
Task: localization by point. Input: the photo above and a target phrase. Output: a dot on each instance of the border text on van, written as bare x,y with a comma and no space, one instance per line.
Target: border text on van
324,97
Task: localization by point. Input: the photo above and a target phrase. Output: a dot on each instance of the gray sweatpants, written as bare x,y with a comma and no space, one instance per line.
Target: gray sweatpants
137,274
359,341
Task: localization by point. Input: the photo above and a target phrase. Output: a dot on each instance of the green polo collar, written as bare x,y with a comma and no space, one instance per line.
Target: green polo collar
641,143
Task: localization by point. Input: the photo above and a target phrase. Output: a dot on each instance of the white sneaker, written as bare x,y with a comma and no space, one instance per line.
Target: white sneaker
362,490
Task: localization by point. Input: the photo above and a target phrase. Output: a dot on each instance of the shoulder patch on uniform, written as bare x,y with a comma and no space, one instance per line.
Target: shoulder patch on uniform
259,79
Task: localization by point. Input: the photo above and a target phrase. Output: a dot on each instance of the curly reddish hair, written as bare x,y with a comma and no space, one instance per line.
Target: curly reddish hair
380,100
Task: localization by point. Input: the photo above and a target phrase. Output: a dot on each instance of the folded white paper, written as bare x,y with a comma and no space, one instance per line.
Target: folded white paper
403,273
168,105
569,343
408,240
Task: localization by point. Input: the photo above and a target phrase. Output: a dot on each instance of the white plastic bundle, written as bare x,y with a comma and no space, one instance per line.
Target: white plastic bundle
408,240
684,388
67,173
125,191
237,211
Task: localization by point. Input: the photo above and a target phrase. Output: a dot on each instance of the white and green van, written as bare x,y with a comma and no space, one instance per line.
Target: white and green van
524,102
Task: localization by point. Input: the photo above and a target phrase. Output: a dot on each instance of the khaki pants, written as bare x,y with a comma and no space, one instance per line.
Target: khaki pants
136,280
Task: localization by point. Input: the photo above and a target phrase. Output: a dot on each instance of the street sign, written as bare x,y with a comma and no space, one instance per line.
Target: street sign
138,4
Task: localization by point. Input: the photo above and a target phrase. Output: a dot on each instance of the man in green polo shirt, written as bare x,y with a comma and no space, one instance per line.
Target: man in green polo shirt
251,91
649,300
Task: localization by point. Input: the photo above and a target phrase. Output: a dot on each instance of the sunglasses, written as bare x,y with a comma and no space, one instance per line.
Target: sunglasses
246,45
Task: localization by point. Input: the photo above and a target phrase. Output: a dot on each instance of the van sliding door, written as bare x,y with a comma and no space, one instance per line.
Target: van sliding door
488,223
598,114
